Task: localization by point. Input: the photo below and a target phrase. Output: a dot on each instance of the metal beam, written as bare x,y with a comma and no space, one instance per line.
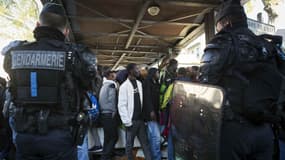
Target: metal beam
101,14
138,42
127,51
188,3
173,21
152,56
110,19
102,35
119,61
201,17
124,63
184,17
196,32
132,46
169,21
122,24
117,41
125,60
138,21
113,58
190,37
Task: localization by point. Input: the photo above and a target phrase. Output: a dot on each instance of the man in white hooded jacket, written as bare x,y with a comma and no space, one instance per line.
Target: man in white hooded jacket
130,110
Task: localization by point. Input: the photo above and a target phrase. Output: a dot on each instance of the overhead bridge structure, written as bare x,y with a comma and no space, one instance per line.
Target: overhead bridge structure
123,31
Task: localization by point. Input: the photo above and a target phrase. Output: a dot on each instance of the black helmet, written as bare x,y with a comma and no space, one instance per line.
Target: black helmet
231,7
53,8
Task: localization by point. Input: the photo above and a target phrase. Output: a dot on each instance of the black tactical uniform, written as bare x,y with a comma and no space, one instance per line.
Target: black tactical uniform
6,145
244,65
48,81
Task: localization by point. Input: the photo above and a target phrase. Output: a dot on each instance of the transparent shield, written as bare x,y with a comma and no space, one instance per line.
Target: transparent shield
196,118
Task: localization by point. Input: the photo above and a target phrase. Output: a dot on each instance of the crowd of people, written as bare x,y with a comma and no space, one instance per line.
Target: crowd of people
134,99
56,90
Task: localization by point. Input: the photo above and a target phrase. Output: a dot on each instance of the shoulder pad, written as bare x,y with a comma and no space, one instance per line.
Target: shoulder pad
211,56
80,48
84,52
89,57
219,41
216,53
12,45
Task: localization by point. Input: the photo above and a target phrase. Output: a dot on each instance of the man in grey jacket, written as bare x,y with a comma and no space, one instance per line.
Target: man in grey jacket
108,105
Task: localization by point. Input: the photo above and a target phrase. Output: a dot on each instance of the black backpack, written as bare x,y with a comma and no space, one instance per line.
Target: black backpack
257,70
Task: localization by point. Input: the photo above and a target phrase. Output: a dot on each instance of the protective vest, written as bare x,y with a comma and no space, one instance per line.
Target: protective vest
45,93
38,75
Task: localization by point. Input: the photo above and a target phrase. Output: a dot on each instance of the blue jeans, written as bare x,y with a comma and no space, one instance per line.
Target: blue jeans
12,126
154,139
82,151
282,149
5,140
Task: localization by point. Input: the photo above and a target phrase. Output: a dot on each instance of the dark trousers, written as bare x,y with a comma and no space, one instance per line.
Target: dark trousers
244,141
6,145
137,129
6,142
55,145
110,126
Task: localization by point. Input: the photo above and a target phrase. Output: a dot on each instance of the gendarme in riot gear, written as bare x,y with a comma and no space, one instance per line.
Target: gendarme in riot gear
246,66
48,79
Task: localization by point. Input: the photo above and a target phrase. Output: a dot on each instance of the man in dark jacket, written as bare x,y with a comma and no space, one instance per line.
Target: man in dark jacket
151,111
6,144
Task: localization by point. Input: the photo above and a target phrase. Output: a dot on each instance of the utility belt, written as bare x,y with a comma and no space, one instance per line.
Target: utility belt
231,113
39,122
235,118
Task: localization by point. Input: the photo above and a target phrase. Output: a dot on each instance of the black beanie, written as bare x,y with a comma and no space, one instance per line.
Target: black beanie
53,8
231,7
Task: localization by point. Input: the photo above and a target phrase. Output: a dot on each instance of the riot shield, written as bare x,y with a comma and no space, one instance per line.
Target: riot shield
196,118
